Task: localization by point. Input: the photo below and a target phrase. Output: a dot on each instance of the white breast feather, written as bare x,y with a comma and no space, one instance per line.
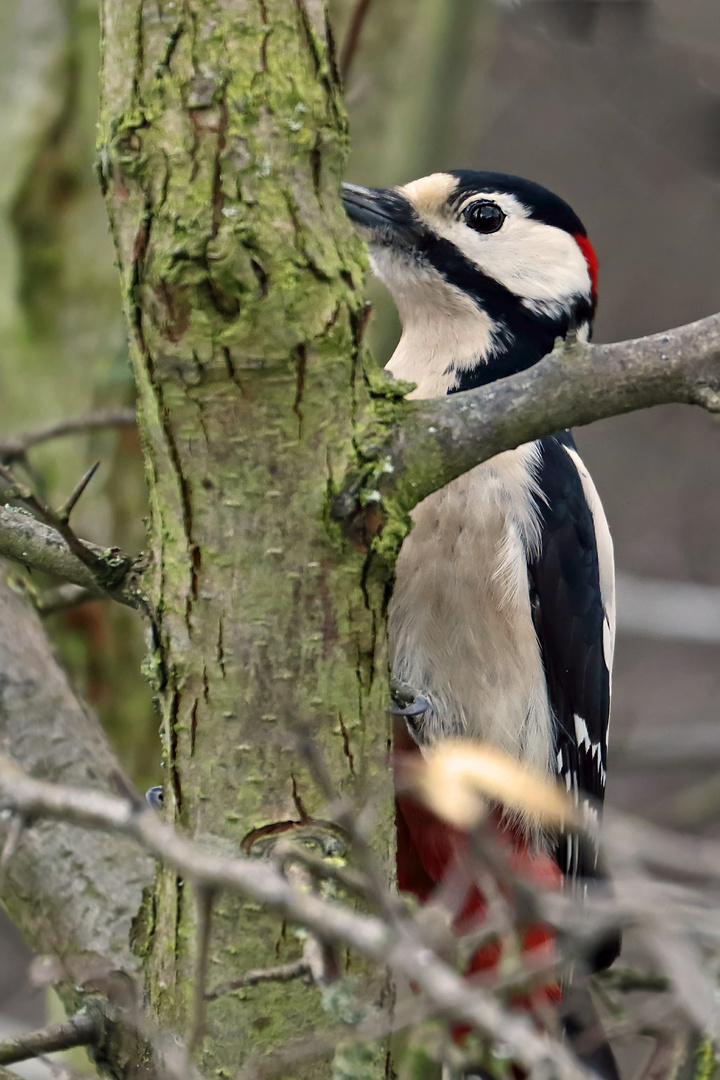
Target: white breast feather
461,629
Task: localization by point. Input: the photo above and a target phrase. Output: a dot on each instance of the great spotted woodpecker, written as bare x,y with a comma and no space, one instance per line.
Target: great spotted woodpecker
502,620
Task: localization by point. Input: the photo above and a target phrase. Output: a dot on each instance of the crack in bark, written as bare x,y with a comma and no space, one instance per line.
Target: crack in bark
218,196
316,169
261,275
193,726
302,813
173,741
300,368
193,549
346,744
308,36
221,647
139,50
263,48
140,247
170,48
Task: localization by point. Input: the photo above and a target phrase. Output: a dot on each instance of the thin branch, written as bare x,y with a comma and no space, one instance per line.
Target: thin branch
25,540
63,598
397,947
16,447
626,981
63,514
58,520
299,969
573,386
352,37
79,1031
12,840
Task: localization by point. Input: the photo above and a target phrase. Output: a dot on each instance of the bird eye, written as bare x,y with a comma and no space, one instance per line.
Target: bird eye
485,217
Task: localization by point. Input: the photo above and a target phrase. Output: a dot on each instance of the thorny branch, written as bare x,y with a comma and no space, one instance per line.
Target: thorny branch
59,551
56,519
25,540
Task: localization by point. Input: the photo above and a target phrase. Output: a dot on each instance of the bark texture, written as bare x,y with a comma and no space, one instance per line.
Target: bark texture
62,345
73,894
222,143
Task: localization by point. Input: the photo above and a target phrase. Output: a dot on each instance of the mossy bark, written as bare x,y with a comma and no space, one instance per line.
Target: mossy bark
222,144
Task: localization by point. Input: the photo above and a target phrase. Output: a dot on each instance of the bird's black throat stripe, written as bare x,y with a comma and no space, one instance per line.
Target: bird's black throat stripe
522,337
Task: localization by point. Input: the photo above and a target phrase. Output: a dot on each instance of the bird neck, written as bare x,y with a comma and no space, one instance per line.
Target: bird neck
445,357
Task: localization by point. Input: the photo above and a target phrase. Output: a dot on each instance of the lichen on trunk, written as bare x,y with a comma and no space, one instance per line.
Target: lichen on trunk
222,143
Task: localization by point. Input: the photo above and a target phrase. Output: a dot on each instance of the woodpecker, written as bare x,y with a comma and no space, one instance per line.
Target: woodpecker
502,619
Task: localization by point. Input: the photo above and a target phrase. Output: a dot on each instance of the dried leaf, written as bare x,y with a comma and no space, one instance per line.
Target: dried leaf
457,779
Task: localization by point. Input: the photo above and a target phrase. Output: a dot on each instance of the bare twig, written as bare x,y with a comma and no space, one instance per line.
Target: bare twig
299,969
626,981
352,37
16,447
79,1031
63,598
397,947
12,840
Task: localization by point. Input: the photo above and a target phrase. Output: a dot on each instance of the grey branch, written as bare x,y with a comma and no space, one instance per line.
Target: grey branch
79,1031
16,447
398,947
298,969
83,903
24,539
577,384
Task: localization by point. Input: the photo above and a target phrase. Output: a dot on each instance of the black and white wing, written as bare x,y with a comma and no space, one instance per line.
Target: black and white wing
573,600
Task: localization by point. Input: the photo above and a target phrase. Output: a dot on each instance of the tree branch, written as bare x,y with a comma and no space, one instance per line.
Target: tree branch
79,1031
16,447
24,539
73,895
438,440
352,37
398,947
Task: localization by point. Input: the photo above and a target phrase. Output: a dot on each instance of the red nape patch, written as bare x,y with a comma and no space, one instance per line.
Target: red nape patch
591,259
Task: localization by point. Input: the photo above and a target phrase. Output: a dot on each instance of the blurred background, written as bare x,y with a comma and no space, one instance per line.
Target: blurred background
615,105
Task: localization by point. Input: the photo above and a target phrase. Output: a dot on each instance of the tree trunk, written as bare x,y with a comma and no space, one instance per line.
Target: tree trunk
222,144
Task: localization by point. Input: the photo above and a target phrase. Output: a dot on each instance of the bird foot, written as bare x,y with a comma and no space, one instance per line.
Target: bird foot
405,700
154,797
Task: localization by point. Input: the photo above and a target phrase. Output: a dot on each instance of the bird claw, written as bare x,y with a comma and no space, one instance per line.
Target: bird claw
419,706
406,701
154,797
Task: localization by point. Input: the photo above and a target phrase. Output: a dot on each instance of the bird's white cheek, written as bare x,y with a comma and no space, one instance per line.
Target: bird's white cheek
537,262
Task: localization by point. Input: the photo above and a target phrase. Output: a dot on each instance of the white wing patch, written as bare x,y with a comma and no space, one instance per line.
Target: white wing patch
593,748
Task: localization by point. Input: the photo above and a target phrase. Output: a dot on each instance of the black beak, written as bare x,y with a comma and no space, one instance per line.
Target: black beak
382,212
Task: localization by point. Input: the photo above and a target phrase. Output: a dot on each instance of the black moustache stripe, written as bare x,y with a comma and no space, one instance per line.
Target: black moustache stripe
523,337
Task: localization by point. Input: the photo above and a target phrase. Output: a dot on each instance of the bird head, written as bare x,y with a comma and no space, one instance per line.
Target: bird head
486,271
